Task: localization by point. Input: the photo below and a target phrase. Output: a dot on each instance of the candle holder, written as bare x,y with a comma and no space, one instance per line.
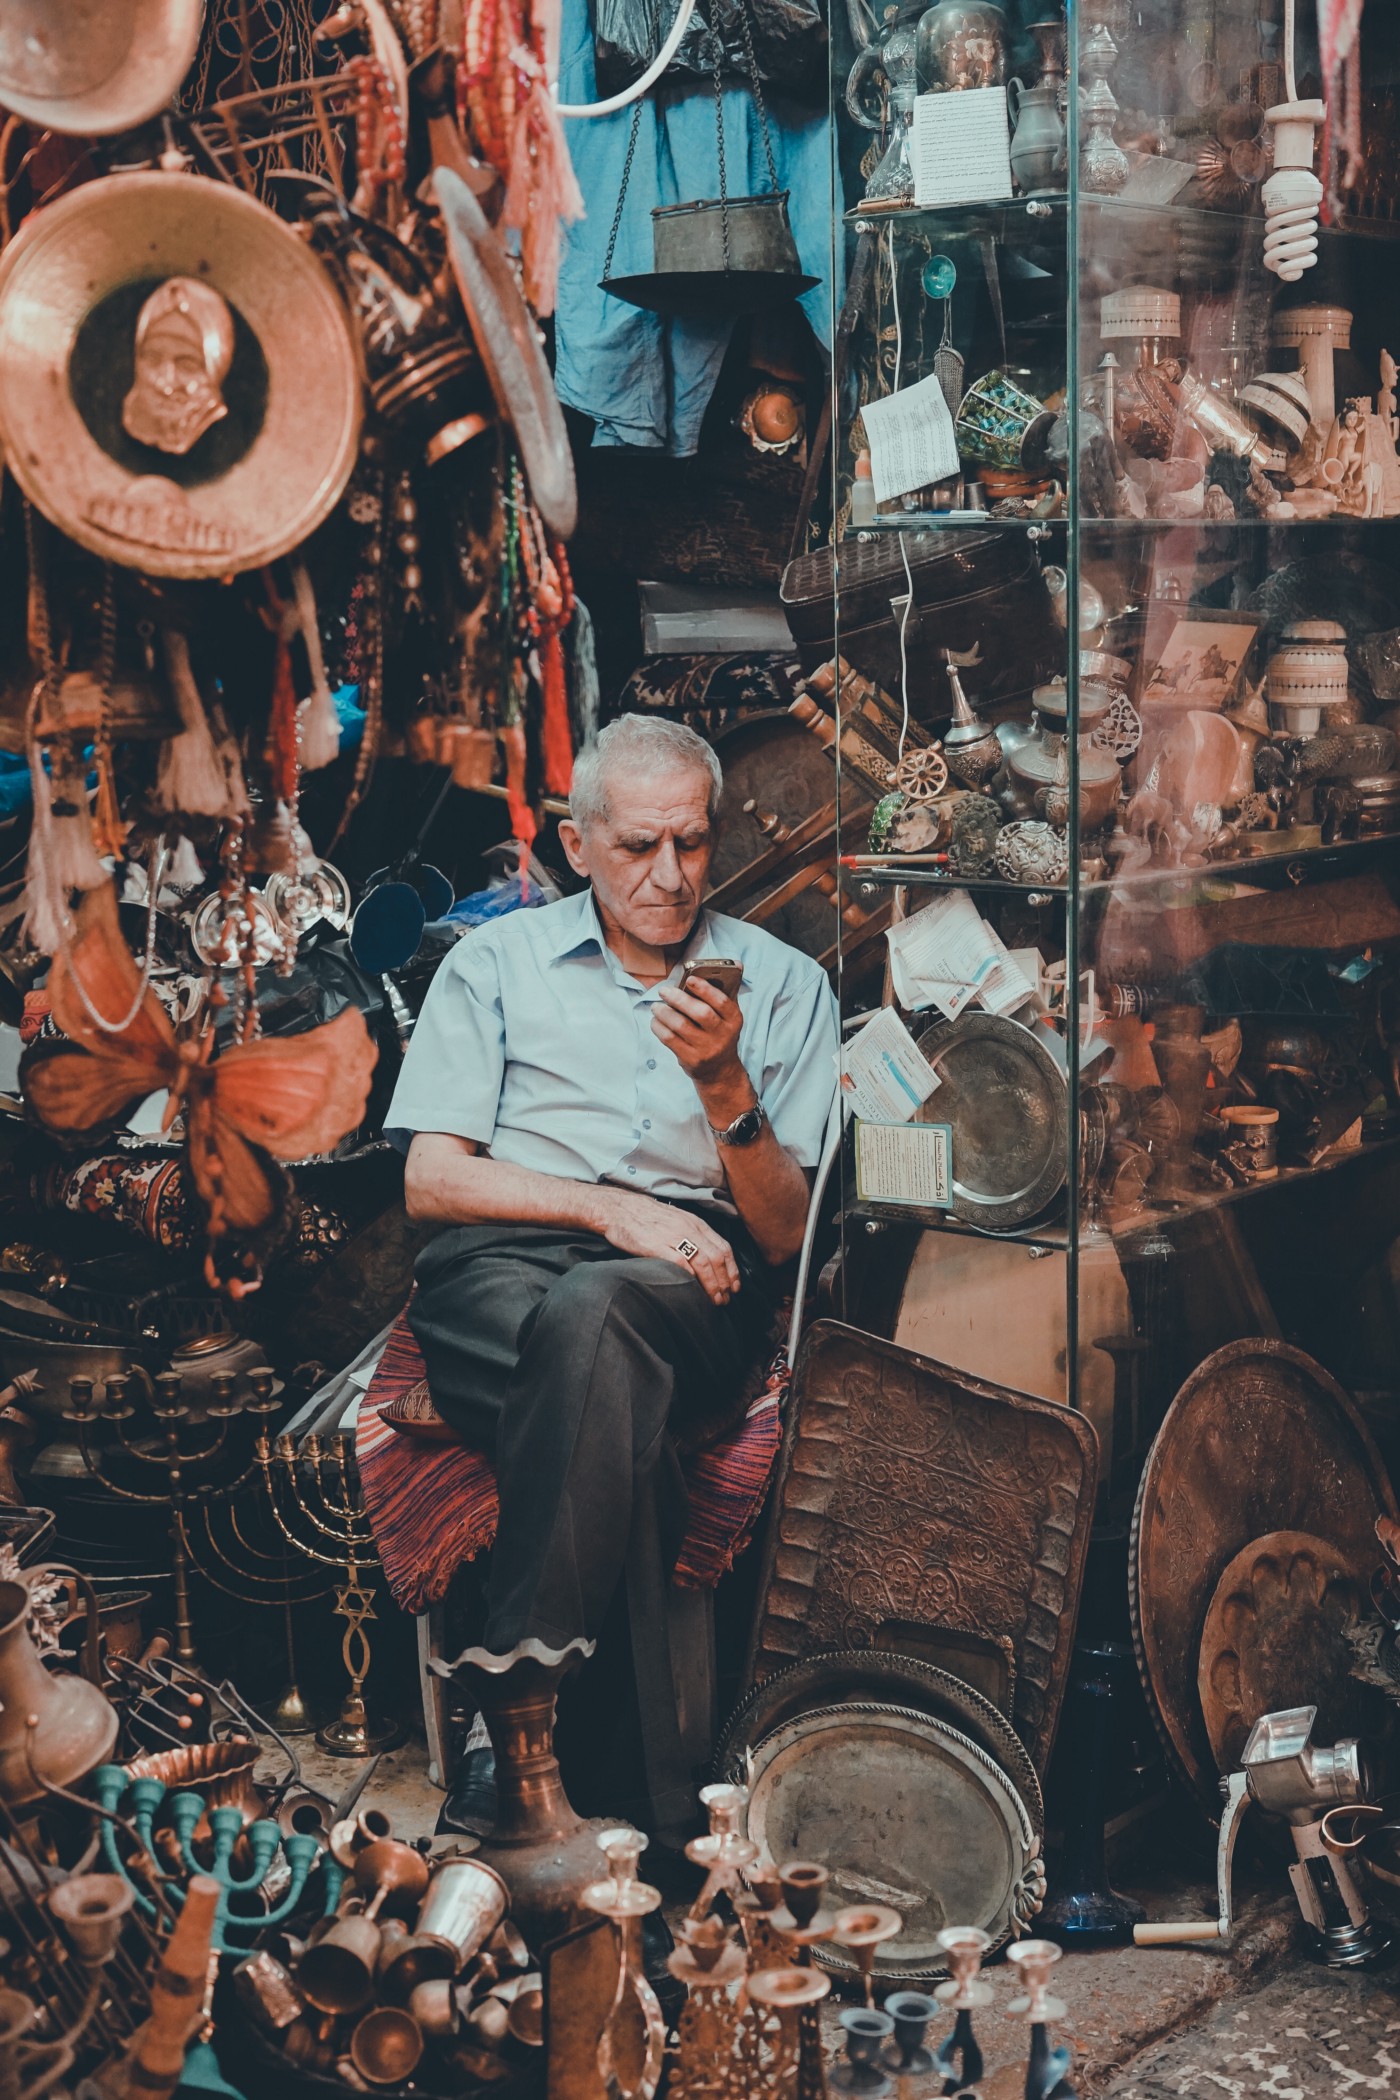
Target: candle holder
626,1900
310,1495
866,2032
861,1928
1047,2067
911,2012
168,1460
783,2067
269,1853
960,2058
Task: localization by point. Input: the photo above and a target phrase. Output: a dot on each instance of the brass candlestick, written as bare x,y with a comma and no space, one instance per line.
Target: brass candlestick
165,1461
862,1928
785,2068
960,2059
1047,2067
626,1900
310,1496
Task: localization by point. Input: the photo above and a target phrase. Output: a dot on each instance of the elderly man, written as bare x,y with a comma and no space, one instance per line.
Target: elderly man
617,1165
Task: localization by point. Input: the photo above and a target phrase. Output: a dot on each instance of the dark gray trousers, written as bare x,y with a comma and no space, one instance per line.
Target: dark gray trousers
586,1372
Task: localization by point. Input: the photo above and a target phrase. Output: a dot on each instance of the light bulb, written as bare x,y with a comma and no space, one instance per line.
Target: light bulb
1292,193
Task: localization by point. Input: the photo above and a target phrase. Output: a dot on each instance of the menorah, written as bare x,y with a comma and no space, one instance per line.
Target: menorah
222,1500
168,1463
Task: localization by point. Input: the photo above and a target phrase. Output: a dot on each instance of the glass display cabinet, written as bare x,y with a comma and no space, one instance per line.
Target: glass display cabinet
1100,616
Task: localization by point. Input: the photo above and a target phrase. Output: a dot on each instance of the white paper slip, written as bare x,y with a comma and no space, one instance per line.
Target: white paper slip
905,1163
947,956
962,147
911,439
884,1075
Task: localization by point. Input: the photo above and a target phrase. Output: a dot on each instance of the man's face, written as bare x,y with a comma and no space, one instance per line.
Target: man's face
649,858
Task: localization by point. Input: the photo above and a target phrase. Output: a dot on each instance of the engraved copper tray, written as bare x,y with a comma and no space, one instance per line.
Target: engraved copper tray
1259,1439
913,1502
1004,1098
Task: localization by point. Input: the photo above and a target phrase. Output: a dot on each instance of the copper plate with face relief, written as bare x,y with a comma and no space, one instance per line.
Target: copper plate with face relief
179,390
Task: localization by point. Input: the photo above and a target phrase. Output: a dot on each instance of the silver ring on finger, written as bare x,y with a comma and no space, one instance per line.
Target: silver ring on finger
687,1249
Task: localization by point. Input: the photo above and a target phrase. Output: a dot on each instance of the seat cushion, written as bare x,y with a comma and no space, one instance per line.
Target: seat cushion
433,1504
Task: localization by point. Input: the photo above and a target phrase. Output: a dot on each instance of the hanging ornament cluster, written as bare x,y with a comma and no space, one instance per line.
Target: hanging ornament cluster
510,55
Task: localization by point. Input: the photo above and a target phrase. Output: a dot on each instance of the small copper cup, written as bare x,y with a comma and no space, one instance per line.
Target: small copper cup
92,1909
387,2046
434,2006
337,1974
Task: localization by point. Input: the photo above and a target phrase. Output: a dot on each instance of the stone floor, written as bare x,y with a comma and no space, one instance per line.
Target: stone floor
1224,2023
1302,2034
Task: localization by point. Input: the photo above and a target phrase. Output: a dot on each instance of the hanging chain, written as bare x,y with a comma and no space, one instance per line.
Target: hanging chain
747,27
719,135
622,187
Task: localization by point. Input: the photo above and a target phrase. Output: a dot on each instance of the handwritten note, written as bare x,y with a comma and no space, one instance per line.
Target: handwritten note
905,1163
962,148
911,439
884,1075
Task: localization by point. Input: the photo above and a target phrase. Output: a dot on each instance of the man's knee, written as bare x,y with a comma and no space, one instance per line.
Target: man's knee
596,1294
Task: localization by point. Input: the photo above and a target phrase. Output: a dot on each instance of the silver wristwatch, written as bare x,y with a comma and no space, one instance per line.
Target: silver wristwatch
744,1129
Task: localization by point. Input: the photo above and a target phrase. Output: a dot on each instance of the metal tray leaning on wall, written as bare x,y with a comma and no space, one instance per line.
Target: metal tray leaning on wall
921,1510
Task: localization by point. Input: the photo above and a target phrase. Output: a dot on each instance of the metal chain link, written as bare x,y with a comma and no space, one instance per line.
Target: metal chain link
719,136
622,186
747,27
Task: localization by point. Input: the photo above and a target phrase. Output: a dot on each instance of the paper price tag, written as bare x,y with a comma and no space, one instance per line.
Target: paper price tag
883,1073
911,439
962,148
905,1163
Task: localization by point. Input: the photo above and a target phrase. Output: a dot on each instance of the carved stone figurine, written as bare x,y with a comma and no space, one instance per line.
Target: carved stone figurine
184,347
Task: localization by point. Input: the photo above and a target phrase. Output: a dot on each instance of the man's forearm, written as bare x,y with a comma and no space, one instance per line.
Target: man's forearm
768,1186
448,1182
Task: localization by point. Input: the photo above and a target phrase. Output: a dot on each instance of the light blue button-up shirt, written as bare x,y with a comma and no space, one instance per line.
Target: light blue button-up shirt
535,1042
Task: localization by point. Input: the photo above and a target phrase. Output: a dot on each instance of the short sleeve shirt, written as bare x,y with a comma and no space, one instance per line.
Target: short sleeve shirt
536,1043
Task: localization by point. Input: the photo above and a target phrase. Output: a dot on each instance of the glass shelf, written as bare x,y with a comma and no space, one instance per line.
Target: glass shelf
1256,868
1045,211
1053,1235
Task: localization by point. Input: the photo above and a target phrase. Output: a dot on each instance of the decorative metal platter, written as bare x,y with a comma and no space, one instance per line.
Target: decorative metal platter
1276,1636
905,1810
916,1503
837,1677
1259,1439
1004,1098
509,347
274,460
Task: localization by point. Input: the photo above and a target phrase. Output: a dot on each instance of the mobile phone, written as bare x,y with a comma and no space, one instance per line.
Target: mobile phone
721,971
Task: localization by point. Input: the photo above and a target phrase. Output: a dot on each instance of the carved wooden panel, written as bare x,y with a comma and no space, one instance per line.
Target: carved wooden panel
912,1496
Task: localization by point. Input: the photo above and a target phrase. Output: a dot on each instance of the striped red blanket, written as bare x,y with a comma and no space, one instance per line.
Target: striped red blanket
433,1505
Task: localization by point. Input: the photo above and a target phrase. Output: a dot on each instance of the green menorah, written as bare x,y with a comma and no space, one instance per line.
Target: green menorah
143,1801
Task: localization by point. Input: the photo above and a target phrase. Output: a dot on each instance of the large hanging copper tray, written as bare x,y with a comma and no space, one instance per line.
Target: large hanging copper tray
903,1809
925,1512
1259,1439
1004,1098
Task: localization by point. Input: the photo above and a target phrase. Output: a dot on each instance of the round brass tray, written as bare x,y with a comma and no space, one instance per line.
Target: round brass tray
274,464
1005,1100
904,1810
1259,1439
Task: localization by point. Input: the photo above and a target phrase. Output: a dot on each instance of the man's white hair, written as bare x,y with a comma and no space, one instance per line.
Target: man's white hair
637,747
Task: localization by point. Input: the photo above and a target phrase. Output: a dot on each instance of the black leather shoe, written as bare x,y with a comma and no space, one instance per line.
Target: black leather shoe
470,1807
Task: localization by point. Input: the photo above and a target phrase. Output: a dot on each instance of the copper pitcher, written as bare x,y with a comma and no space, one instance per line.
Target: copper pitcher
75,1725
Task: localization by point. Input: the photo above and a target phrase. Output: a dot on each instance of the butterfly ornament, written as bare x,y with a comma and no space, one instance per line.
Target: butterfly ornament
272,1098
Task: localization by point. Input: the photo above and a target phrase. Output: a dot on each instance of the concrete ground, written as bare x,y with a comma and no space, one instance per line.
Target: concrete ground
1224,2023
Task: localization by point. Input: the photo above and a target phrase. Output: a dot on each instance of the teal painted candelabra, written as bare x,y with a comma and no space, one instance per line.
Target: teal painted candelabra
144,1799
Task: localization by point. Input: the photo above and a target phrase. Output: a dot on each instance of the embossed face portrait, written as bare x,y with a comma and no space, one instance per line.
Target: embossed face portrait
184,347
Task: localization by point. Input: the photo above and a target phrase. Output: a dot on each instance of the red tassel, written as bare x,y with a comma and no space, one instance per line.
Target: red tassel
558,744
282,726
522,817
